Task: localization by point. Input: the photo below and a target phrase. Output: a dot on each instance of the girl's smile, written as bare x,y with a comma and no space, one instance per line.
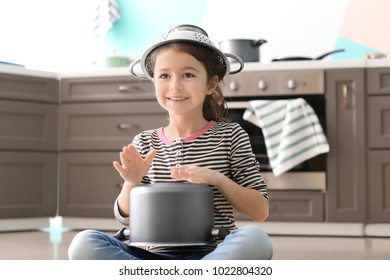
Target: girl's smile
177,99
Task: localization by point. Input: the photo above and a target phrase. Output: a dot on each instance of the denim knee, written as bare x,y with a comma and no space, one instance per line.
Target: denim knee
257,238
82,245
245,243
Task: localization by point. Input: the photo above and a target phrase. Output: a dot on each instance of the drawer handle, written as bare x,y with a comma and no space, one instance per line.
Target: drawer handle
124,88
125,126
345,96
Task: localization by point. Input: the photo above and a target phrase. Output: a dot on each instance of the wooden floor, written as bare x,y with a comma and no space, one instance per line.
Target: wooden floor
36,245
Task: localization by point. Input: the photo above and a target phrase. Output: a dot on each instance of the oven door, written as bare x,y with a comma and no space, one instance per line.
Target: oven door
309,175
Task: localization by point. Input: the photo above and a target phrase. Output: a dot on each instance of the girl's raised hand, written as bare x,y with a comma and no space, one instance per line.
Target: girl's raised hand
133,167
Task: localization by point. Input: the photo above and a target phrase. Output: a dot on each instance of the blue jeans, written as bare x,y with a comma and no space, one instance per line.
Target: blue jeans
245,243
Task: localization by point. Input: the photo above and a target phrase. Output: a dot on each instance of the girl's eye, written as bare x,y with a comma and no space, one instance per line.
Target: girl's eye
188,75
164,76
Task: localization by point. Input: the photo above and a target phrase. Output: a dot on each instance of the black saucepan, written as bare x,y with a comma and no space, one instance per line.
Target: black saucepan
172,214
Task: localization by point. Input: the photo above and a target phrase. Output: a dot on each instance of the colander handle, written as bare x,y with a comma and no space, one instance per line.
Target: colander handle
237,59
132,72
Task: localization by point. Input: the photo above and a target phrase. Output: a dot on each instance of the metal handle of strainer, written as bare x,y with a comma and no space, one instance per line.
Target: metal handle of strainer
237,59
132,72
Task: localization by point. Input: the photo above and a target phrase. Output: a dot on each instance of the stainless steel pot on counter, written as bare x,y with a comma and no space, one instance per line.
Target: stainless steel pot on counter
171,214
247,49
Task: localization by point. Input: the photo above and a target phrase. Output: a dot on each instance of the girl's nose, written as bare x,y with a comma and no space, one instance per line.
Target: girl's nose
176,84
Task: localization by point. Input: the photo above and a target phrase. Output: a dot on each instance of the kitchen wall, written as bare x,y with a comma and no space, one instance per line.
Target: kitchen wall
52,35
363,28
56,35
292,28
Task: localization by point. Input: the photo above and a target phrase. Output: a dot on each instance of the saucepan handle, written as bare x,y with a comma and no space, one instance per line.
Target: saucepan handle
221,232
122,234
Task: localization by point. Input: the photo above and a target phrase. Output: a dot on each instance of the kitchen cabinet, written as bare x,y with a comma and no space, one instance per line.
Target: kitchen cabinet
296,205
28,126
378,107
28,184
292,205
98,116
346,132
379,186
28,145
106,88
89,184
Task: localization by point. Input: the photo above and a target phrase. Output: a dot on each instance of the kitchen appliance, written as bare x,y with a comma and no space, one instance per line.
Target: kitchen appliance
273,85
172,214
247,49
297,58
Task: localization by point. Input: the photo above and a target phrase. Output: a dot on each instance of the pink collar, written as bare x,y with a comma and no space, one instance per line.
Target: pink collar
167,141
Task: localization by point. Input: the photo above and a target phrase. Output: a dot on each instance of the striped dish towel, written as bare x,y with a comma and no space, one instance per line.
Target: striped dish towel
292,132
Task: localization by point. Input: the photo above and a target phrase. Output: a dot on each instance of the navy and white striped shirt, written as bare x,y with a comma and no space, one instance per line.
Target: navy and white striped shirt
224,147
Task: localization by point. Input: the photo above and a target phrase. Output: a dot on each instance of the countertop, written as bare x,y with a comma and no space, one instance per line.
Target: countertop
17,70
251,66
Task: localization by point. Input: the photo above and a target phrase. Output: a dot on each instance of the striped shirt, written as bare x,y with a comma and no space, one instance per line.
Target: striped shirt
224,147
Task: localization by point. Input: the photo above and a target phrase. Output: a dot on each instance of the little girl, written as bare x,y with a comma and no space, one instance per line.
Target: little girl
187,70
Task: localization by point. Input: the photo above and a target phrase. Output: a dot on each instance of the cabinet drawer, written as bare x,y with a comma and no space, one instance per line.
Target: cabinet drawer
293,206
29,88
28,184
378,81
296,206
107,126
89,184
379,121
106,89
28,126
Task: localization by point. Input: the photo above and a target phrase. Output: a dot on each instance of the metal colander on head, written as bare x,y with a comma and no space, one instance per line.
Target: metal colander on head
190,34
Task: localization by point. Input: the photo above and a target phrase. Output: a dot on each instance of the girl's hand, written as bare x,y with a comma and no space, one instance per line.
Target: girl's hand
250,202
133,167
195,174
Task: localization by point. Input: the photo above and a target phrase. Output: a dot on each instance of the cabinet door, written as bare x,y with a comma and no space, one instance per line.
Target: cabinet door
345,118
18,87
379,121
89,184
28,184
379,186
378,81
107,126
28,126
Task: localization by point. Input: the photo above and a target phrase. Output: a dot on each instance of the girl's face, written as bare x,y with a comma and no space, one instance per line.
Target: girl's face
181,83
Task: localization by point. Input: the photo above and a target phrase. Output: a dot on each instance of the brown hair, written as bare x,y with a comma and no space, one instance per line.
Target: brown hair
214,106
